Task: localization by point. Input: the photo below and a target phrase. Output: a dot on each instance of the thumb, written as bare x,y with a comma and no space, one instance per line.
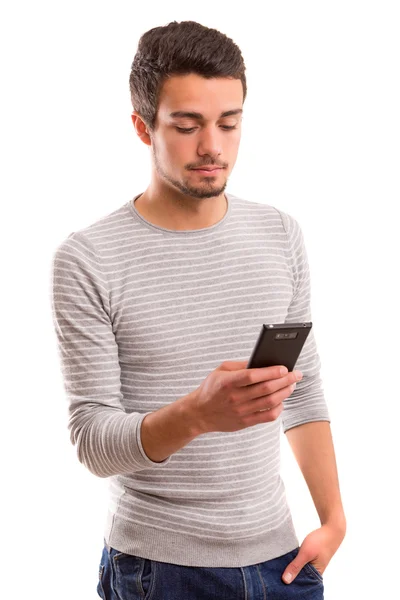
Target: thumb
294,568
233,365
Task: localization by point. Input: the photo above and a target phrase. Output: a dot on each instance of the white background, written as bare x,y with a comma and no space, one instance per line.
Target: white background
321,140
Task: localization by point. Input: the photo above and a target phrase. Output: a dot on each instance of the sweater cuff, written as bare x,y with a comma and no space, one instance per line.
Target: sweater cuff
142,459
296,421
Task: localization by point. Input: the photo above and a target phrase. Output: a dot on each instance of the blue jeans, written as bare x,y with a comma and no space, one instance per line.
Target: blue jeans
127,577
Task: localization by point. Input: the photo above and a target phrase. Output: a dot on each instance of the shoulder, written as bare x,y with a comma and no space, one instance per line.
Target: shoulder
269,212
91,239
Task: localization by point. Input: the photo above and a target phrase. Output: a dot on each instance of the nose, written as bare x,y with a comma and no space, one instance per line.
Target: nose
210,142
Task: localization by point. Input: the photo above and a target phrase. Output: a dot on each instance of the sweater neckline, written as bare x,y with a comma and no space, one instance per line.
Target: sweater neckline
186,232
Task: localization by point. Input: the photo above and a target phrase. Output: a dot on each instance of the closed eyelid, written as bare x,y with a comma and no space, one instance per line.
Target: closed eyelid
225,128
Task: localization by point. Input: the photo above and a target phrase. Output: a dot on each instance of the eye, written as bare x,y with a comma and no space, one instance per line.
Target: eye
225,127
182,130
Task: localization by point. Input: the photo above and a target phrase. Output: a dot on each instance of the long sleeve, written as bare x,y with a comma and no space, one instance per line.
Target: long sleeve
307,401
106,436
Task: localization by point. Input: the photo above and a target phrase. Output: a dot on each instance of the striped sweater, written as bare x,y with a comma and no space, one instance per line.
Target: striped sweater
142,314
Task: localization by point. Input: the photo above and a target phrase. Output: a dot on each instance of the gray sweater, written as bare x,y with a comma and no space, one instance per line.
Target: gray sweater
142,315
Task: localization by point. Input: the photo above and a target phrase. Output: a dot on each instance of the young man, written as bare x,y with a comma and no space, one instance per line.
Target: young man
157,308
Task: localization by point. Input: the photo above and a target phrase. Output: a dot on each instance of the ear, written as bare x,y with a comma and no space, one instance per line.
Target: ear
141,128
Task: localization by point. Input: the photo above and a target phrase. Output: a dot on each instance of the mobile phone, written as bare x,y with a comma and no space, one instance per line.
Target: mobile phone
279,344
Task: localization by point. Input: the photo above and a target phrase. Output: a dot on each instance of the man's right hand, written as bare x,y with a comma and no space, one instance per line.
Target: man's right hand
231,397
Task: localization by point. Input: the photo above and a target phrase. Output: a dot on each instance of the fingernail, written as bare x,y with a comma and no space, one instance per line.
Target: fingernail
283,370
298,375
288,577
292,386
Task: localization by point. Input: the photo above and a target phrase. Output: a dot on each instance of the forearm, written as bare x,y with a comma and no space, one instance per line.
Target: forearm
313,448
169,429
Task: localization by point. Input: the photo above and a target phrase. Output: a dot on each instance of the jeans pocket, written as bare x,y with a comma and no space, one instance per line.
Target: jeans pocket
134,576
100,589
313,571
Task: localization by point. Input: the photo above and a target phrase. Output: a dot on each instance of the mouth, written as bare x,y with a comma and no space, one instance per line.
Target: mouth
208,171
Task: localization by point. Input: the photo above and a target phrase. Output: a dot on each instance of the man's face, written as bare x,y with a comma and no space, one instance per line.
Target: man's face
212,139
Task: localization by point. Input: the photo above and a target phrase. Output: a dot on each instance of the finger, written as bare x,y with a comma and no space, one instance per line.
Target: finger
262,416
294,568
272,388
269,401
249,376
233,365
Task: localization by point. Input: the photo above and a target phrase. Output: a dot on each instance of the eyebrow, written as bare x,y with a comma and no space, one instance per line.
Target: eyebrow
196,115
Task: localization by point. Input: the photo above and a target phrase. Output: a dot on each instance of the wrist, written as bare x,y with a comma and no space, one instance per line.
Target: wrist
336,522
191,416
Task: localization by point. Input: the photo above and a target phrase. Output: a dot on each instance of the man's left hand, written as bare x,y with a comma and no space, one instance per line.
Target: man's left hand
317,548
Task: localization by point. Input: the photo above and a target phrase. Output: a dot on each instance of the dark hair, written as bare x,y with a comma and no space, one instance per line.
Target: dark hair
180,49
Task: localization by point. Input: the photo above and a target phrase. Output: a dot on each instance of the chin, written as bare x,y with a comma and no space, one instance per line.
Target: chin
205,192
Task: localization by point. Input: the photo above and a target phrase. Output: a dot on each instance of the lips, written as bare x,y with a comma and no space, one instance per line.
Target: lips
207,169
208,172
